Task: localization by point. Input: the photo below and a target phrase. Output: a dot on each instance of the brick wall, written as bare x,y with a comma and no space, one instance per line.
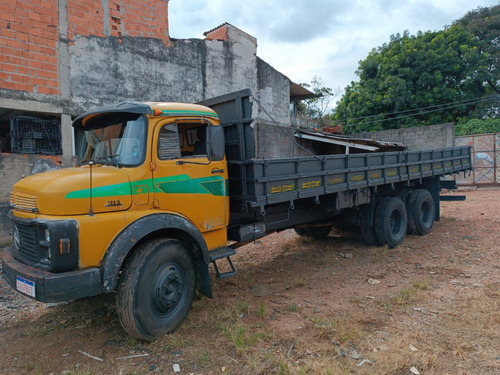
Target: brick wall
145,18
87,18
217,34
29,34
28,37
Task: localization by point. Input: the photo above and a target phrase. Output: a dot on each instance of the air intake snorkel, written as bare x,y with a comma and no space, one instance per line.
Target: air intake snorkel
91,210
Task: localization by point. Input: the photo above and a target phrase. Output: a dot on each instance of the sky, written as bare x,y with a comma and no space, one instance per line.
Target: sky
323,38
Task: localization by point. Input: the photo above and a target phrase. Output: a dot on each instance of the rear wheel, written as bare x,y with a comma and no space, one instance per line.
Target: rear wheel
317,233
368,231
368,235
390,221
421,212
156,289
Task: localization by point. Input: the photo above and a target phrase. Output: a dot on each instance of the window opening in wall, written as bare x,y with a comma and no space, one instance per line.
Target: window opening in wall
5,138
31,135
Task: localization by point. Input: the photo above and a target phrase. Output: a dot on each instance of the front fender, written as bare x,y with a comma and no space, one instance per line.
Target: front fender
134,232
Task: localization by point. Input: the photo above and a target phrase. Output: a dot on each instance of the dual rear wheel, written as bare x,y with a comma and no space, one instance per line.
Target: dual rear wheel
393,218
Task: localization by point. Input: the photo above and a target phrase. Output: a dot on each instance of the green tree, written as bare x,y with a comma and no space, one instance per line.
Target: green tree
318,108
477,126
484,24
413,79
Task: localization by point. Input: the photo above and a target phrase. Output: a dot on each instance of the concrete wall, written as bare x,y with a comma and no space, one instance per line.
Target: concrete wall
13,167
418,138
273,95
274,142
5,226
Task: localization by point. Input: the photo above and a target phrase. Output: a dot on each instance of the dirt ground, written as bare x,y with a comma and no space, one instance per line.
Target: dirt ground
338,306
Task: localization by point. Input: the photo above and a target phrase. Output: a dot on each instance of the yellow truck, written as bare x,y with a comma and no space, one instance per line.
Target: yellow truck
162,190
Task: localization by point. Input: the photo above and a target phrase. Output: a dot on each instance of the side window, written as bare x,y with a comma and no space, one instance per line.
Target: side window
168,142
200,145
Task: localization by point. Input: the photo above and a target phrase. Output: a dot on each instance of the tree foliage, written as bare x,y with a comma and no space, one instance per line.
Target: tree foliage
484,24
428,78
477,126
318,107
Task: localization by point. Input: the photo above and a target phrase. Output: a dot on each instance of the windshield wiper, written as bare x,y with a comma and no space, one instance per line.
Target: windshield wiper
108,160
103,160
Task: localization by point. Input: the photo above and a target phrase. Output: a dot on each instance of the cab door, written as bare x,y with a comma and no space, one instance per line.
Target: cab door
187,183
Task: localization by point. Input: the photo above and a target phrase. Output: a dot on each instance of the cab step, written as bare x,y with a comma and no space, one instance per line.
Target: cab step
220,253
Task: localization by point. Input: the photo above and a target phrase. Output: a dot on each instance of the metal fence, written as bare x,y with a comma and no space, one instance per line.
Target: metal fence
485,159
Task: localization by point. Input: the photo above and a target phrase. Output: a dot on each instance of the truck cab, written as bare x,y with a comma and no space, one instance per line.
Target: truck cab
146,173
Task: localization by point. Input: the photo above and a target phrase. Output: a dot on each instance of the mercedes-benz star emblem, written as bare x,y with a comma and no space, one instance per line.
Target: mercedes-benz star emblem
17,238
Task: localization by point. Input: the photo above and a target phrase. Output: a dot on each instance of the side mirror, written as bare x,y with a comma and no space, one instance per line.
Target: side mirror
215,143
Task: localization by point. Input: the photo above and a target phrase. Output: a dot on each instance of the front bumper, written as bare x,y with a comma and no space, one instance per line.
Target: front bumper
52,287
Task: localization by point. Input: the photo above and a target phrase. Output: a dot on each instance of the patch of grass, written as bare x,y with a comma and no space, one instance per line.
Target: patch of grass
242,337
39,330
297,283
404,297
20,364
262,310
462,336
346,331
202,357
338,329
292,308
283,368
177,340
243,307
422,284
131,341
233,312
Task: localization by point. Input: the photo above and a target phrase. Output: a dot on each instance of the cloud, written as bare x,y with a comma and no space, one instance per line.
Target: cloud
304,21
327,38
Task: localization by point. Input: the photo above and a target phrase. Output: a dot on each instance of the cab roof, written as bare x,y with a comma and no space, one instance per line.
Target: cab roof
146,108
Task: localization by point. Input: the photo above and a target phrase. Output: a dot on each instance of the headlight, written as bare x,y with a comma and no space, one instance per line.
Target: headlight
17,238
47,235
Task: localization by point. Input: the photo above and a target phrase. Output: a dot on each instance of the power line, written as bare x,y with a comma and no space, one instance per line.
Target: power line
432,106
423,110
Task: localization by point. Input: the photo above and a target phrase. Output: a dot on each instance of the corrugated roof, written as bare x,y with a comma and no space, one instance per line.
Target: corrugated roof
299,92
343,140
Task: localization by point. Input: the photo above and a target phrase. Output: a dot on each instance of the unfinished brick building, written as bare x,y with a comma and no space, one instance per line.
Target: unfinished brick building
59,58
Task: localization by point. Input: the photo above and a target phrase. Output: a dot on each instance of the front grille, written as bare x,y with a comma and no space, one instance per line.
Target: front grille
28,243
22,201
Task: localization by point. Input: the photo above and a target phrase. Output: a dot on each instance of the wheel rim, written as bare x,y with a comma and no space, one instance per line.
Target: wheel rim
425,212
168,289
396,222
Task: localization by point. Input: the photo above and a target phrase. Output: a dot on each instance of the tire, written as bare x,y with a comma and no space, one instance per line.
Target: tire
421,212
156,289
368,235
390,221
317,233
368,232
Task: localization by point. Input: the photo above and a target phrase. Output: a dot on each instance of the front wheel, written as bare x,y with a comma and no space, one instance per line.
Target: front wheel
156,289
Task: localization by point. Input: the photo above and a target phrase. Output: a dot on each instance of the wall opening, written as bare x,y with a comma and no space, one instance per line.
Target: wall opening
29,132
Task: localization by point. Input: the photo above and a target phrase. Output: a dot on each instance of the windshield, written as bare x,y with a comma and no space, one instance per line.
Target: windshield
114,143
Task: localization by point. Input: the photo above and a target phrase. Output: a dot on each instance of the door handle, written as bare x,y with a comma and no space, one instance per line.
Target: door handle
215,170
